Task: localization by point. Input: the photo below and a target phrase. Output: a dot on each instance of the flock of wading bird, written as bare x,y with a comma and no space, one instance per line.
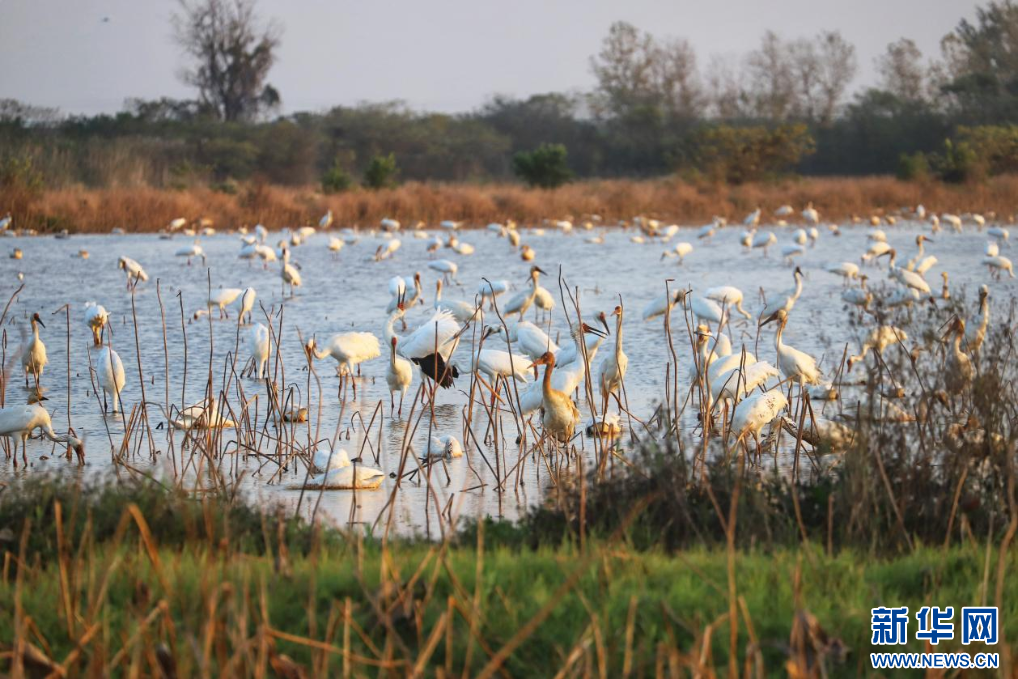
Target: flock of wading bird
736,396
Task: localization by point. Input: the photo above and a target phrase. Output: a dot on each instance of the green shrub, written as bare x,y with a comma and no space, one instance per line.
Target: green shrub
381,172
913,167
336,179
545,166
743,154
959,163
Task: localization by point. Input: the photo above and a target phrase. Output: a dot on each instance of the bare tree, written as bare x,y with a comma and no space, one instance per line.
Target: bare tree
231,52
804,65
727,94
901,71
624,69
771,79
676,79
836,68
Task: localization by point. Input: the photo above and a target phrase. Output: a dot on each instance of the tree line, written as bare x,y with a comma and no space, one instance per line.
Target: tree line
786,106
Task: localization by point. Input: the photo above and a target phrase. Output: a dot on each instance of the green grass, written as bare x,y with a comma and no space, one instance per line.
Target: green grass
220,605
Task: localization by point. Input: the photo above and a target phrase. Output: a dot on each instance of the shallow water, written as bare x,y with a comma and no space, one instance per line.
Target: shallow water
349,291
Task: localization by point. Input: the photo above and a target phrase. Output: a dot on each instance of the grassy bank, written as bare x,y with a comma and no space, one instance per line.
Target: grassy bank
147,209
102,587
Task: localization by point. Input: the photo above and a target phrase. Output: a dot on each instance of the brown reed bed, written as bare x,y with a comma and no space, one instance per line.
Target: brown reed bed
143,209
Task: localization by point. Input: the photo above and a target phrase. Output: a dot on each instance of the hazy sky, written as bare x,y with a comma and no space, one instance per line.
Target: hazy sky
447,55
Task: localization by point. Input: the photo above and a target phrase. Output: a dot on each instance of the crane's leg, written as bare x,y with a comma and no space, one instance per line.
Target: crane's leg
392,404
401,395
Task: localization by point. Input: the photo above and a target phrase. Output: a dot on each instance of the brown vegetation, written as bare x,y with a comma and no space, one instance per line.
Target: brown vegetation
146,209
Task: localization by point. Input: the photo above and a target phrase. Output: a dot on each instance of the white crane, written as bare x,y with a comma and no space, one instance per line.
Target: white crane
220,299
976,332
999,264
96,318
462,311
447,446
522,300
431,347
258,344
811,215
447,268
958,369
110,375
752,219
763,239
612,369
756,412
326,220
135,274
847,270
387,249
680,251
794,364
490,290
786,300
663,304
192,251
399,373
497,363
247,301
337,472
728,295
877,340
592,339
289,274
858,296
349,350
33,357
19,421
998,233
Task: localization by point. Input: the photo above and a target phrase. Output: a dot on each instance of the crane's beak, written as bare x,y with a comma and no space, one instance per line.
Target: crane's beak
604,322
770,318
541,271
593,331
39,321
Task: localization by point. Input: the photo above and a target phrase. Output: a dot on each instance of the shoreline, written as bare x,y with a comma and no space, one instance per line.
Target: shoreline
670,200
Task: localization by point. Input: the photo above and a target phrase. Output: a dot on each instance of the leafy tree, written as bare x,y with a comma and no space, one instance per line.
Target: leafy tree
381,172
913,167
336,179
901,71
981,63
231,55
741,154
545,166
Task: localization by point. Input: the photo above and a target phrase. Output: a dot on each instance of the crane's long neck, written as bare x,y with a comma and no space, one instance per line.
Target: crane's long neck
546,386
392,355
48,432
618,335
798,286
778,344
35,330
320,353
390,326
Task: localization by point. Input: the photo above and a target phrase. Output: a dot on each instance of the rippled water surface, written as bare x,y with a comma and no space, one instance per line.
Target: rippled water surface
349,291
